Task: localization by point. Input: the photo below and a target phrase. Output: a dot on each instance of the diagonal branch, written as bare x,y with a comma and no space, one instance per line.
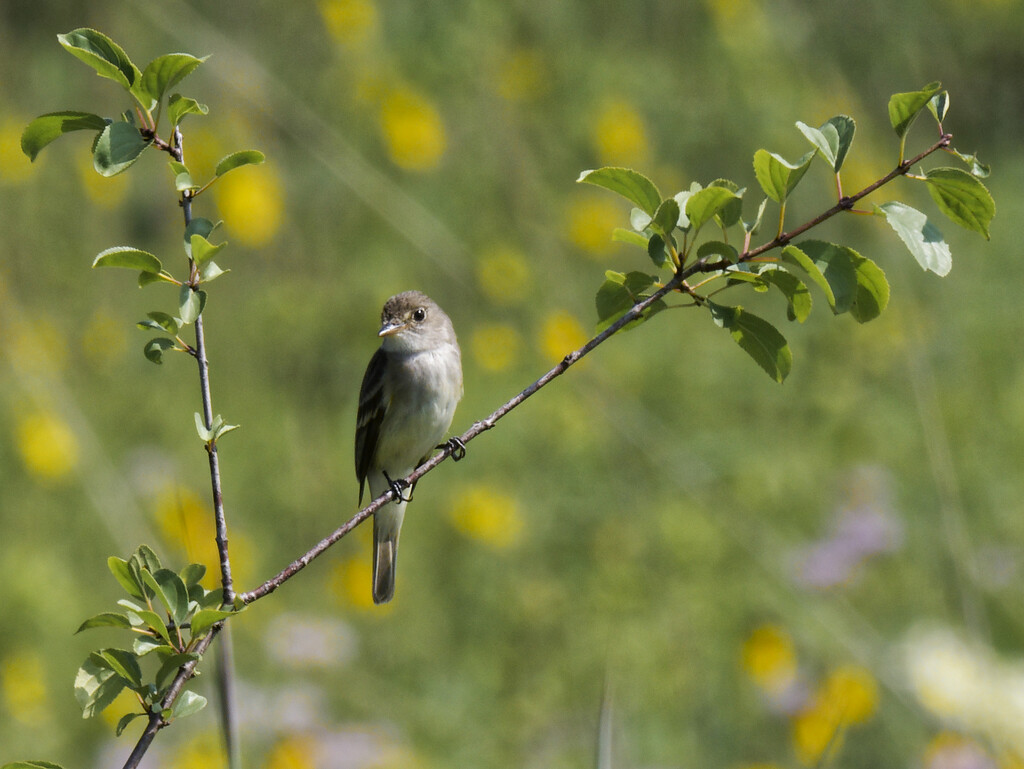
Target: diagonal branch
676,283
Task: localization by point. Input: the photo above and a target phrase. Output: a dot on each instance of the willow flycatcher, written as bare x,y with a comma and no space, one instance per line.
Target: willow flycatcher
406,404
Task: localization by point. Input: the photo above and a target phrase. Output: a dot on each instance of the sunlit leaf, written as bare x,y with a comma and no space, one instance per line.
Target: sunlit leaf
190,303
703,206
631,185
165,72
618,294
238,159
125,577
126,719
730,213
187,704
125,664
179,106
156,347
962,197
905,107
205,619
920,236
129,258
102,54
666,218
623,235
96,685
777,176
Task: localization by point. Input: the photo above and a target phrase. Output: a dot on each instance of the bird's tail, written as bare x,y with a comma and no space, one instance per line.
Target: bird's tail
387,523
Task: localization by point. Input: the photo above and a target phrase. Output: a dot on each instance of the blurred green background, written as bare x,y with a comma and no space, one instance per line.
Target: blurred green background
826,571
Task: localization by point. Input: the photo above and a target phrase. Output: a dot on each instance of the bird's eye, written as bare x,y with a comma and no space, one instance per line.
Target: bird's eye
419,314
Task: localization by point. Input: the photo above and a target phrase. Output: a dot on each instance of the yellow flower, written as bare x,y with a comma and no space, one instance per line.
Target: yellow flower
504,275
495,346
103,191
349,22
487,515
15,166
350,582
561,334
413,131
203,751
293,752
523,76
769,658
591,221
620,136
851,692
816,730
23,684
252,204
47,445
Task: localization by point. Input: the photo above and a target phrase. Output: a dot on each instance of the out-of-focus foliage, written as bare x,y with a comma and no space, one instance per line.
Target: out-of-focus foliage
765,575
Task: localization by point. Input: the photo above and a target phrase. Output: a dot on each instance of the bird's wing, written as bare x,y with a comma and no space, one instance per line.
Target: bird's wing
372,405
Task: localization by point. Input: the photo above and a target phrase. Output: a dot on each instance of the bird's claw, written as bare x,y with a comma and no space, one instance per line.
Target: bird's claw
397,487
455,447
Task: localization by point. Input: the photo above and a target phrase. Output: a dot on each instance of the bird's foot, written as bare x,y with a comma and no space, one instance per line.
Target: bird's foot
397,487
455,448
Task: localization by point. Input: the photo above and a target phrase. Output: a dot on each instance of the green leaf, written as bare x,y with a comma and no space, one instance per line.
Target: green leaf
656,250
730,213
145,278
845,128
919,235
46,128
192,574
717,248
704,205
31,765
204,619
795,290
211,599
145,644
938,105
187,704
905,107
145,618
96,685
777,176
117,148
978,168
828,265
962,198
210,271
145,557
619,293
174,594
165,72
824,139
757,337
102,54
126,719
184,182
220,427
623,235
179,106
125,664
190,303
105,619
156,347
203,250
124,575
631,185
666,218
161,321
128,257
238,159
198,226
205,433
872,293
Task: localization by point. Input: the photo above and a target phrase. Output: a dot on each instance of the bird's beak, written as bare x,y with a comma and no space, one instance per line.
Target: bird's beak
388,329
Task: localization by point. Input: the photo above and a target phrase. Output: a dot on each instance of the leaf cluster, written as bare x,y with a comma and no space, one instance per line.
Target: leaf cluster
167,614
673,232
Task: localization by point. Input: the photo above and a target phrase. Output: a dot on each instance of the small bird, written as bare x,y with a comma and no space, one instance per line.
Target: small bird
406,403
